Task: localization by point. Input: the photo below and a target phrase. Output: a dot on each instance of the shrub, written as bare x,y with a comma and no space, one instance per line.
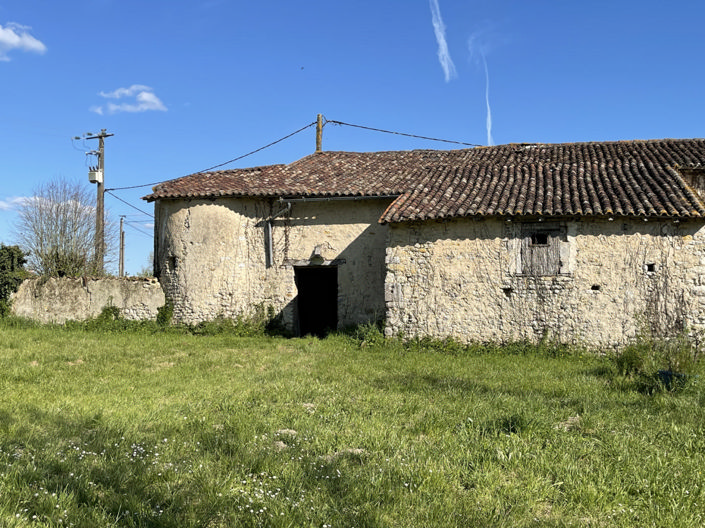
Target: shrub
367,334
631,360
240,327
263,321
165,314
657,363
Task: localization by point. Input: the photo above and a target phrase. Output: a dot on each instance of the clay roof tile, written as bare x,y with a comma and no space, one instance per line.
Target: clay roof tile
632,178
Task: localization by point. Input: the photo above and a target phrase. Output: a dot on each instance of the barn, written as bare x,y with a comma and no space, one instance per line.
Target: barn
581,242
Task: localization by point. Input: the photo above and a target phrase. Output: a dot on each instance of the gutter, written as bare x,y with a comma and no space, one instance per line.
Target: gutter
338,198
269,251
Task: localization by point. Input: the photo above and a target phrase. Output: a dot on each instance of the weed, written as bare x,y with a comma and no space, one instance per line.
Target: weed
507,425
264,321
165,314
368,334
240,327
109,313
658,363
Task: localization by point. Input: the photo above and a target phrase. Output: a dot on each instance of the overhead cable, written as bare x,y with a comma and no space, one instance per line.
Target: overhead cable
128,203
259,149
403,134
221,164
131,226
335,122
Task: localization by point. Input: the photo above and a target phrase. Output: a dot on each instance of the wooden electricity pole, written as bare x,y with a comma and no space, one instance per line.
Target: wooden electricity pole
319,133
121,266
99,179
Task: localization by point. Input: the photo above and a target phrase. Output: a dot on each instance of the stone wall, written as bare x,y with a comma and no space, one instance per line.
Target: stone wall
57,300
597,282
464,279
211,256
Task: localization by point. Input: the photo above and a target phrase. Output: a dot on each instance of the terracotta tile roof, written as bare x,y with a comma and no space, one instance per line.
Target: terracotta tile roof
319,174
626,178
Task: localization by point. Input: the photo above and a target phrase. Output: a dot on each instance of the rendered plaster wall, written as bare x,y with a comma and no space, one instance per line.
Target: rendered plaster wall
211,256
57,300
463,279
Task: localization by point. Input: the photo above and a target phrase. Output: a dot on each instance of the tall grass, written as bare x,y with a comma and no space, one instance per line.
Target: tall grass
152,427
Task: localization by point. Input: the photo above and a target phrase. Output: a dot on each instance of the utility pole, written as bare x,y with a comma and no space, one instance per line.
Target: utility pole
96,175
121,267
319,133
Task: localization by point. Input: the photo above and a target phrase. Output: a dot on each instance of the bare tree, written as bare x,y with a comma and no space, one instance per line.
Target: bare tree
56,229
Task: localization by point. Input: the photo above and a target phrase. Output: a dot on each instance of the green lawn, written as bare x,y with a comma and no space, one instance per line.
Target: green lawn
150,428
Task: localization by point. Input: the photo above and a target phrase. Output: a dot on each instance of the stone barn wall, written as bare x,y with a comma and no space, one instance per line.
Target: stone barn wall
57,300
595,282
211,256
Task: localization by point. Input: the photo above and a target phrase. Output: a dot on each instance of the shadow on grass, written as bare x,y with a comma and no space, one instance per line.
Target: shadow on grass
421,383
642,382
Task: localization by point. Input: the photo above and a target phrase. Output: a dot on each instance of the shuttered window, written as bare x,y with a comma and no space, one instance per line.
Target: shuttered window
540,250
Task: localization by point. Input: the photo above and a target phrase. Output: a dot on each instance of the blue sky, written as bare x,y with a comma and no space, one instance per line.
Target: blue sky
186,85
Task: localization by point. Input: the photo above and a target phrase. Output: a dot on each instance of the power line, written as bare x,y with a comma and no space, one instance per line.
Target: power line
335,122
403,134
220,164
259,149
128,203
130,225
340,123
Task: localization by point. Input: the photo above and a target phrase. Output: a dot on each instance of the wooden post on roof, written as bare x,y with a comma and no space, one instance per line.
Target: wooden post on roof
319,133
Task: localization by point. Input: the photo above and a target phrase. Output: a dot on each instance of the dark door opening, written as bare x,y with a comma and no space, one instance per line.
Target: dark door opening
317,301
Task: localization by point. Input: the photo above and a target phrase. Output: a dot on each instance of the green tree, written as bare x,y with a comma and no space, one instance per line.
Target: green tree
12,273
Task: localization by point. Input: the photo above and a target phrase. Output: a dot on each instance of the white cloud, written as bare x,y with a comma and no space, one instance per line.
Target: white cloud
10,204
141,99
126,92
443,53
14,36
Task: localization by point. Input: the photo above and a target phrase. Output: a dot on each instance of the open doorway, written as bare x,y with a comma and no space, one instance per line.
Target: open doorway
317,301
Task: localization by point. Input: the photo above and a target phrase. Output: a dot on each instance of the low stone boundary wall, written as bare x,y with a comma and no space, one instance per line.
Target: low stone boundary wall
57,300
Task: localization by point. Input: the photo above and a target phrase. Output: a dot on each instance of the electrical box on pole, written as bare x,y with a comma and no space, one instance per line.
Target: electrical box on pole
95,175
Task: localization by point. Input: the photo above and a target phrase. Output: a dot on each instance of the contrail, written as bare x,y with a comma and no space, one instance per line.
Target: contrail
476,46
490,142
443,53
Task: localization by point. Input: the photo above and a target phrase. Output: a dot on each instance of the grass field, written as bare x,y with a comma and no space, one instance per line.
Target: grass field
150,428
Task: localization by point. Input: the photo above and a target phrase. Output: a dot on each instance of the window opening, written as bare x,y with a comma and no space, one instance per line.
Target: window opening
539,239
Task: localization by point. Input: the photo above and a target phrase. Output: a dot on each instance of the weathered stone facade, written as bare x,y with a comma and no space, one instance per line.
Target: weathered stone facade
463,278
57,300
581,242
211,256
